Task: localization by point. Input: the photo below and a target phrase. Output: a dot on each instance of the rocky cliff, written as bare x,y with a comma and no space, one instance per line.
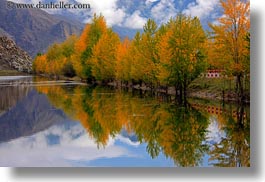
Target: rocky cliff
12,57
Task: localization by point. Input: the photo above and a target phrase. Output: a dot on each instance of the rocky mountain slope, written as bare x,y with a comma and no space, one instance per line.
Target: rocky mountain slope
12,57
33,29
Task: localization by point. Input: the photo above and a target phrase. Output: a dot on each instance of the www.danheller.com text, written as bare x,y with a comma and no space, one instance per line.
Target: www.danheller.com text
50,5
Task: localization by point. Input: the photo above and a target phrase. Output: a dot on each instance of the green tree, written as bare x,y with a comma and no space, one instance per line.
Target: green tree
230,35
143,54
181,53
148,52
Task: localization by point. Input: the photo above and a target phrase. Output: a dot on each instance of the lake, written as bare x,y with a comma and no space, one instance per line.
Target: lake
64,123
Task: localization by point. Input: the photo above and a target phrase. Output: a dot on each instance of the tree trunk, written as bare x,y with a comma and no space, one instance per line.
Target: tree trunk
240,115
185,91
176,92
239,87
180,93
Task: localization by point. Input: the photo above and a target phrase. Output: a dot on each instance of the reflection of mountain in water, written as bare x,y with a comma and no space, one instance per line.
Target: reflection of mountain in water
11,94
32,114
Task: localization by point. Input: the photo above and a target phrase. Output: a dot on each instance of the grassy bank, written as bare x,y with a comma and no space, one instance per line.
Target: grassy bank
216,88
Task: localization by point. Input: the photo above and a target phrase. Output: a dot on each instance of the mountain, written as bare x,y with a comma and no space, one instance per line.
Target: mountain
79,15
13,57
30,115
33,29
127,16
5,34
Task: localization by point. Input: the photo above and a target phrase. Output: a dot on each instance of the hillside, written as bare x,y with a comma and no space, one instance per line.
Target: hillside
33,29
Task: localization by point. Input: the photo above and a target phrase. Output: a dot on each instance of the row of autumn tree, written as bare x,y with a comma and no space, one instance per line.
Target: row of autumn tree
173,54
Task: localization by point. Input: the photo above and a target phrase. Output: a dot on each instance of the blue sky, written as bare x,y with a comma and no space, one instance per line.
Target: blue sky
134,13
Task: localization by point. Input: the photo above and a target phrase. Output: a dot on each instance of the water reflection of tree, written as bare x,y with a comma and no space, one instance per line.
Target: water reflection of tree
176,131
101,108
234,150
88,116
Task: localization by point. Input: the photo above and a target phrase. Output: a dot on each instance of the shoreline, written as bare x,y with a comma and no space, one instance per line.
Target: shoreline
191,93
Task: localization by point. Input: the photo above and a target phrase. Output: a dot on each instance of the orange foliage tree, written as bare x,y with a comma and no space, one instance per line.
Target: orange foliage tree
84,46
123,65
57,61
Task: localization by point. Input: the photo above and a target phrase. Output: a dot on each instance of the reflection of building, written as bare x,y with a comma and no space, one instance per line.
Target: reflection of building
214,73
215,110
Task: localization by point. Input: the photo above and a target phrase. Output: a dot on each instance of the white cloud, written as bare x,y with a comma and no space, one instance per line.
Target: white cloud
108,8
201,8
215,132
216,19
135,21
163,11
55,156
127,141
70,146
134,14
149,2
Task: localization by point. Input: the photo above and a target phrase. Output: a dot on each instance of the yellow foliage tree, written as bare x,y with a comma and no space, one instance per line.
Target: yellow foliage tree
230,36
103,58
123,65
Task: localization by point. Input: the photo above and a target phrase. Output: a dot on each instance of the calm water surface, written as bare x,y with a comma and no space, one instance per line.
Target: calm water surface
59,123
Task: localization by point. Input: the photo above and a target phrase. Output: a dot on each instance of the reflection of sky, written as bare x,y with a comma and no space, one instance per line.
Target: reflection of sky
68,144
5,78
215,134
